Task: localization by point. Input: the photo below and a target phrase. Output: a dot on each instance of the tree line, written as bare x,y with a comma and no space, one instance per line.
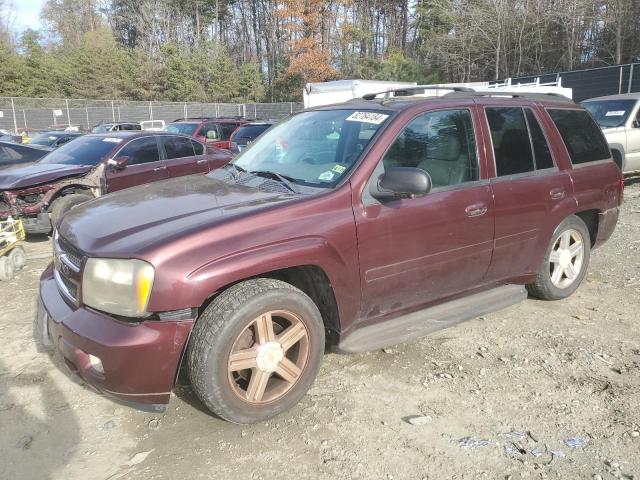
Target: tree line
266,50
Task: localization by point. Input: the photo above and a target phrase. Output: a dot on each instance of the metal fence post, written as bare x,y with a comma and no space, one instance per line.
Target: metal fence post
186,111
15,120
151,111
255,111
291,107
630,78
113,111
620,79
24,116
86,109
66,100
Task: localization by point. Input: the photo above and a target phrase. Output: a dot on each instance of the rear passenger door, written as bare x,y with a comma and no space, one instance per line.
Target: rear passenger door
416,251
531,193
181,158
144,166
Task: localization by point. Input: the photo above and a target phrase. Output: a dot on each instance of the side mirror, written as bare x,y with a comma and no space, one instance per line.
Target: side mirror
636,123
212,136
119,163
401,182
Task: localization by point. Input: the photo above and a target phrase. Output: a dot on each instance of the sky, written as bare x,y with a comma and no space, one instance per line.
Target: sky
27,14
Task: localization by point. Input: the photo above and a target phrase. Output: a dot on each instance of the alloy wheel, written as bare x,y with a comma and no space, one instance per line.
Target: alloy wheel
566,259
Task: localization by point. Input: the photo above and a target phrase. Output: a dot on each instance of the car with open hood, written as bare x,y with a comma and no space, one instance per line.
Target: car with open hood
355,227
93,165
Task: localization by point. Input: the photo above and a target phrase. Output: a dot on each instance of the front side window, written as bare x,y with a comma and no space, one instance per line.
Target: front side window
198,148
610,113
177,147
581,135
510,139
440,143
141,150
316,148
205,129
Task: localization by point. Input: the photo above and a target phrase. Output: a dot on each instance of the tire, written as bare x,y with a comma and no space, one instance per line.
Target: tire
18,258
550,287
62,205
232,319
6,269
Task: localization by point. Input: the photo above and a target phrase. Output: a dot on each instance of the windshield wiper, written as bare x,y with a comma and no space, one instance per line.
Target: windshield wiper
284,179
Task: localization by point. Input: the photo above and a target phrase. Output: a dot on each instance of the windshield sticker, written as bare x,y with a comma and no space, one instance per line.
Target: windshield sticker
326,176
112,140
615,113
367,117
340,169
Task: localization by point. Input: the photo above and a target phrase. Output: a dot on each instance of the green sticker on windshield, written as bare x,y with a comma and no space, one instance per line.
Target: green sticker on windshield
339,169
326,176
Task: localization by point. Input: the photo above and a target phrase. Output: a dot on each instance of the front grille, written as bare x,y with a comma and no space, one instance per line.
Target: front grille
68,262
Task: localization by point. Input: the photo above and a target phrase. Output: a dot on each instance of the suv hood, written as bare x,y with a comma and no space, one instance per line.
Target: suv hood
127,223
37,174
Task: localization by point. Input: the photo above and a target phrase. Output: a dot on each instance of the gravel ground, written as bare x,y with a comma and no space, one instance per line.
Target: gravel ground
540,390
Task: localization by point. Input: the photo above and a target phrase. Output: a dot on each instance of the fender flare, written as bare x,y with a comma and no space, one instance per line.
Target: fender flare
618,147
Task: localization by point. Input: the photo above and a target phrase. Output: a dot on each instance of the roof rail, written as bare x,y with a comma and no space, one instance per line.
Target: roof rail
549,96
406,91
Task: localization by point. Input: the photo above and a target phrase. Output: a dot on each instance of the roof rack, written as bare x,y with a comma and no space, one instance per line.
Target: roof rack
409,91
549,96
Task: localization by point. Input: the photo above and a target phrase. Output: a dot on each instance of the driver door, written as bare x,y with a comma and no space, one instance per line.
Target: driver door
418,251
145,165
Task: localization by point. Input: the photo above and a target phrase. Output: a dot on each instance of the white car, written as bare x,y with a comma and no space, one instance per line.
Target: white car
619,119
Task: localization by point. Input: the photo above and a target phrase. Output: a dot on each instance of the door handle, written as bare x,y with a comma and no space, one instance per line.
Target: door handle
159,169
200,162
477,210
557,193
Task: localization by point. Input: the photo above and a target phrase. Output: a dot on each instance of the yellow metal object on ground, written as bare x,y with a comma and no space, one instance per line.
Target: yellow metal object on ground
11,235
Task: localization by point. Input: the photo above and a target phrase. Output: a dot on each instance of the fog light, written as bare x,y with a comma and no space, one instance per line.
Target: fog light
96,364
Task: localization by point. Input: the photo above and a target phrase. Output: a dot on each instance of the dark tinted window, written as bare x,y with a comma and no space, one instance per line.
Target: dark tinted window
440,143
510,137
130,126
141,150
177,147
584,140
250,132
228,129
542,153
198,148
87,150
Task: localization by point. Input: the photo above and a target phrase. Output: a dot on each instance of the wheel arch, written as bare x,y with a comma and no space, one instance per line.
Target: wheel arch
65,190
617,151
591,219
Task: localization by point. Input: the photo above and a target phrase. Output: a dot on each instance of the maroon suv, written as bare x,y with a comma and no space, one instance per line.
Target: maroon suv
355,226
93,165
212,131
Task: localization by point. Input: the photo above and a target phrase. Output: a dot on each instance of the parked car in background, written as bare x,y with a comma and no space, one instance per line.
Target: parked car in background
153,125
116,127
619,118
357,226
213,131
53,139
96,164
6,136
12,154
245,134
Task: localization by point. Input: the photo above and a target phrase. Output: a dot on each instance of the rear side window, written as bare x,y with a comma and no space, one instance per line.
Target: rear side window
542,153
582,136
510,137
177,147
228,129
141,150
198,147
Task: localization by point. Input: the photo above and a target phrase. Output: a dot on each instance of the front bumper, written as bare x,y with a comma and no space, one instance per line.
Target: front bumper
140,361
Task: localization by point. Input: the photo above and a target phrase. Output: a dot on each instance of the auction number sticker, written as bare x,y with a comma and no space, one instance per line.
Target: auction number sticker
112,140
615,113
367,117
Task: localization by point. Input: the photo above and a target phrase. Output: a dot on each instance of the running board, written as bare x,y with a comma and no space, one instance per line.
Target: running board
423,322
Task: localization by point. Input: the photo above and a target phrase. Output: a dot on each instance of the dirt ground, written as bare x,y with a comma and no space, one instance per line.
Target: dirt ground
496,395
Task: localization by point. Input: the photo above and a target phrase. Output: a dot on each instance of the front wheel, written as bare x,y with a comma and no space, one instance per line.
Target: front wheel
565,263
256,350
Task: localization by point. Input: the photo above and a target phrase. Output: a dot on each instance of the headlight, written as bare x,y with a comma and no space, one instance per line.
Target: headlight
120,287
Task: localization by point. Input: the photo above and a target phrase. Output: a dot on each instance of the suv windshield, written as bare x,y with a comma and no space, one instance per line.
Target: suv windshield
610,113
182,128
82,151
314,148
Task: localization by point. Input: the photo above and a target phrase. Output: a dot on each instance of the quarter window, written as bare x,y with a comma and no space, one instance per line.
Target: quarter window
581,135
198,147
442,144
142,150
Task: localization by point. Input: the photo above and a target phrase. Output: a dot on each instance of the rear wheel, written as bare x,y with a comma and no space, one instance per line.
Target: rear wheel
256,350
565,263
63,204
